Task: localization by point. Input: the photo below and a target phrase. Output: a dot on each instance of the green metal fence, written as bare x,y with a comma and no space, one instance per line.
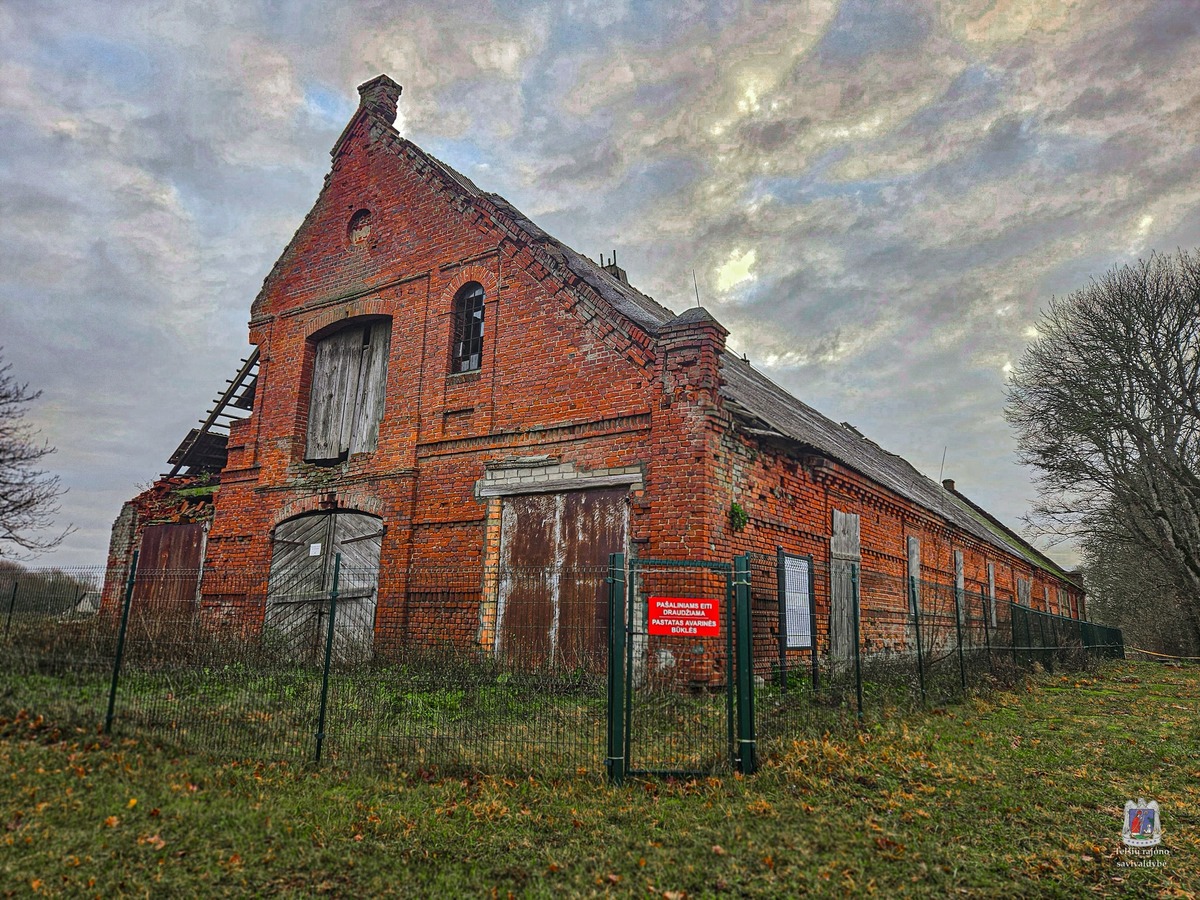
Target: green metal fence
676,667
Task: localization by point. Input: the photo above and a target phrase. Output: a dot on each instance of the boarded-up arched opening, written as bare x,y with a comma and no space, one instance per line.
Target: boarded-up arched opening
303,553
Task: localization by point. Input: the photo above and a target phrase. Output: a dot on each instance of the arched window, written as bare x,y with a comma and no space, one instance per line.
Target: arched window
359,229
467,352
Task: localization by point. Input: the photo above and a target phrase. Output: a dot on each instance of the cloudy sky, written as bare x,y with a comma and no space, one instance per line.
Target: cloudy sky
877,196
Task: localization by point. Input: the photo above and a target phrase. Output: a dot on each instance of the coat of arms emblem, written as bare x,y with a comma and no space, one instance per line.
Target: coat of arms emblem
1143,826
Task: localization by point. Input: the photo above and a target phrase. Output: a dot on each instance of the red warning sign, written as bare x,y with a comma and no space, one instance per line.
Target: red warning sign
684,616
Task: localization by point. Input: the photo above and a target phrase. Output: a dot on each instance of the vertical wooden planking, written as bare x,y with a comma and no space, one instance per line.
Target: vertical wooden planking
358,538
960,584
348,349
1023,591
369,402
299,553
844,550
168,570
914,596
335,383
321,442
991,592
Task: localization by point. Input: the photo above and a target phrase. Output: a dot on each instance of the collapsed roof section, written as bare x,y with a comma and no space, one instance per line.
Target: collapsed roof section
203,451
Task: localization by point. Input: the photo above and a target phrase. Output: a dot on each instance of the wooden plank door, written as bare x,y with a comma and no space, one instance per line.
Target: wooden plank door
528,578
593,525
302,568
844,553
358,538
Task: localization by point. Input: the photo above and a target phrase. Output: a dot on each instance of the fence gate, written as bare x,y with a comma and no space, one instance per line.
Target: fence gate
680,673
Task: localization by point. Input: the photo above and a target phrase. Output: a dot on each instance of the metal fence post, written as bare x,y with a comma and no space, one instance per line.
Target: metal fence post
112,690
962,669
781,589
912,591
747,739
987,629
812,624
333,594
857,639
12,604
1012,621
615,761
1046,658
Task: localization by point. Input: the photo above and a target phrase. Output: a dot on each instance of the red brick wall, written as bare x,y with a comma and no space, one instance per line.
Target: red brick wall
789,503
561,374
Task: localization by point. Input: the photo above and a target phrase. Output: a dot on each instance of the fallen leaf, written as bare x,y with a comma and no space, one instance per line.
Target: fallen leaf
112,822
718,850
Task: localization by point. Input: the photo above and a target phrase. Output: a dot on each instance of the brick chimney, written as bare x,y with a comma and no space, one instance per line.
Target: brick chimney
381,95
690,347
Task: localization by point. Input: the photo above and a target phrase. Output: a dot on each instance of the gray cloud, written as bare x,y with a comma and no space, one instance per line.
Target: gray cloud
877,198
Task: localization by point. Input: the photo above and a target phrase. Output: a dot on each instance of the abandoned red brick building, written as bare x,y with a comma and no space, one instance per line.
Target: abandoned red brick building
439,383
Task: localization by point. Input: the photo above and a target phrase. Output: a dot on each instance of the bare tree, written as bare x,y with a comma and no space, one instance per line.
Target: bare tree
28,493
1106,405
1132,589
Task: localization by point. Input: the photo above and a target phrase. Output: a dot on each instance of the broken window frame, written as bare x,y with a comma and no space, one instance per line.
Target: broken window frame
467,351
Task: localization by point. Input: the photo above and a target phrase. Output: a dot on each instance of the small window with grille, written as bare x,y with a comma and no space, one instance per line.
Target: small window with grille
467,354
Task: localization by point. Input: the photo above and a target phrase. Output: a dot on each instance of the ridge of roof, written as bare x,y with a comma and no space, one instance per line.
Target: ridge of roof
752,394
1008,534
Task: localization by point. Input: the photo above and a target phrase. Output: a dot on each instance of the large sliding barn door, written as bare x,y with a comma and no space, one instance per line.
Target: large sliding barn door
302,570
553,598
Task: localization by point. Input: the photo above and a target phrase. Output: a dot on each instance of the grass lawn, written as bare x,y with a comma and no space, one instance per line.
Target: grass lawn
1017,794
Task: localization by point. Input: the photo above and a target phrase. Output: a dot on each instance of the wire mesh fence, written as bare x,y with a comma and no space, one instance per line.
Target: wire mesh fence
509,669
913,642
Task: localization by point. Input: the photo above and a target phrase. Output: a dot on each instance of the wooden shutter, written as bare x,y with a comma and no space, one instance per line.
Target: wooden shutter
960,586
368,405
991,572
844,553
335,383
914,574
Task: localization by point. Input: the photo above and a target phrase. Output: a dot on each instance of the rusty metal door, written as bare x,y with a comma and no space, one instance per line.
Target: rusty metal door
302,570
168,572
552,604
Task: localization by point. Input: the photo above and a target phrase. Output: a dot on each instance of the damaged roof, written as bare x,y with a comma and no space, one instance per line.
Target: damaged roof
642,310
